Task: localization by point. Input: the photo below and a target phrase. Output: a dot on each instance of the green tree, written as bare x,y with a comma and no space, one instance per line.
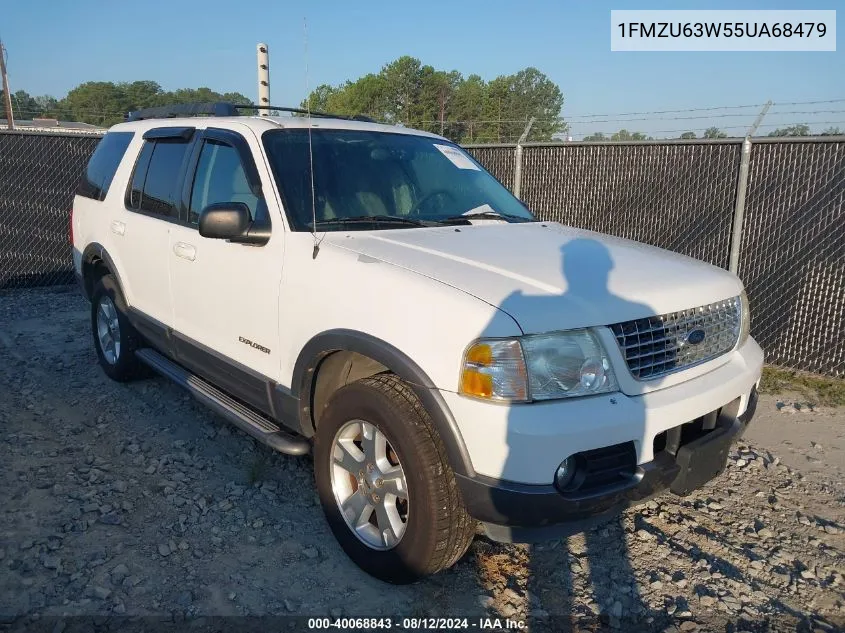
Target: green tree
714,132
687,135
532,94
465,109
625,135
105,103
792,130
436,95
25,106
47,105
402,84
598,136
98,102
832,131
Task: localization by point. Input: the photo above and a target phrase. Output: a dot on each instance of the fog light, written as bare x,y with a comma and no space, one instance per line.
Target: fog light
565,473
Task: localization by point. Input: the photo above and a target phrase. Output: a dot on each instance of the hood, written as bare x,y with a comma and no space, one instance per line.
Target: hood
548,276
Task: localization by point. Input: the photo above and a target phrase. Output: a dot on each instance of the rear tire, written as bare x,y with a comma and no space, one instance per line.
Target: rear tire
436,530
114,337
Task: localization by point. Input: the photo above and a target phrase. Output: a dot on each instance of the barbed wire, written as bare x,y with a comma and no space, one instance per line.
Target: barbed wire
706,109
704,129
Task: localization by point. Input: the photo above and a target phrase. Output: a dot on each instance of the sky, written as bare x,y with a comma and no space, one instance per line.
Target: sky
188,43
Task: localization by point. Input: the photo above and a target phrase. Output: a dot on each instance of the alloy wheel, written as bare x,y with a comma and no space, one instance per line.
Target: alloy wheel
108,330
369,485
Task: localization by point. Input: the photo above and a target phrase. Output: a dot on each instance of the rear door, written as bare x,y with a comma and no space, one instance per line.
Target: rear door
225,295
143,231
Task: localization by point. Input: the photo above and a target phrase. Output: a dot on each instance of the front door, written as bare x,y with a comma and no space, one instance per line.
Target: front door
225,295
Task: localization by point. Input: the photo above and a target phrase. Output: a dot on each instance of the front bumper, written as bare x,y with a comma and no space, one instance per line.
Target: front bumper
513,512
525,443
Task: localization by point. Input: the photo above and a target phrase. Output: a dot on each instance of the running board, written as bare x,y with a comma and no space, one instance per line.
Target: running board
264,430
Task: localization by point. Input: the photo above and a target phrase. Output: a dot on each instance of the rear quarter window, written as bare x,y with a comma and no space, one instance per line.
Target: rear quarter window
103,164
155,179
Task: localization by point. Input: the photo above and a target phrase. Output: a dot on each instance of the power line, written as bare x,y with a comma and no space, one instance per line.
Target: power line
707,109
730,127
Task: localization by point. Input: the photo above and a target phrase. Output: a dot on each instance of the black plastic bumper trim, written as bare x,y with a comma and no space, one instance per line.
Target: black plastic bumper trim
525,512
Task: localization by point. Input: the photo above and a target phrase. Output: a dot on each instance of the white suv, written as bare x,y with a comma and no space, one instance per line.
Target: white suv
371,293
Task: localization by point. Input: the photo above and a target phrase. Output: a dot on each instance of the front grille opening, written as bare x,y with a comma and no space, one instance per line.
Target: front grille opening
662,344
605,467
693,430
672,439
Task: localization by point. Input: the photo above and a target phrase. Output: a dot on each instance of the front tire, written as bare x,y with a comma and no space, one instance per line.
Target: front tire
114,337
387,490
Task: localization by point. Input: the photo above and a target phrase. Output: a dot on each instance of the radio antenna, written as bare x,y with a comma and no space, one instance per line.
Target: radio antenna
310,145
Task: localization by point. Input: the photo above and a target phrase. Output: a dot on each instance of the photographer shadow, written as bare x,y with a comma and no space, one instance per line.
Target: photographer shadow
586,580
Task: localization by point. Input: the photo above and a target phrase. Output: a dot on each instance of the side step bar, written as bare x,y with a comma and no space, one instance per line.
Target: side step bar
247,420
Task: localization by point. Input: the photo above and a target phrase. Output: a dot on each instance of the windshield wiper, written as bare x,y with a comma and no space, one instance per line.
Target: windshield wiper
373,219
482,215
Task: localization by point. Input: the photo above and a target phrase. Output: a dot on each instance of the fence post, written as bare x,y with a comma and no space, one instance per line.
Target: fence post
739,208
741,188
517,168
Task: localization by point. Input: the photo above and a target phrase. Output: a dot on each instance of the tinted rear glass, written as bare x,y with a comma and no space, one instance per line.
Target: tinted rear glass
154,183
103,165
162,176
136,187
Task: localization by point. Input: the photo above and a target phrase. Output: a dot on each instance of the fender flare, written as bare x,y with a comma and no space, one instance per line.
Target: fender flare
95,250
323,344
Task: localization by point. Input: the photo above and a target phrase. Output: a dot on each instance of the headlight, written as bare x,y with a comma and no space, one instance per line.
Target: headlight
539,367
745,319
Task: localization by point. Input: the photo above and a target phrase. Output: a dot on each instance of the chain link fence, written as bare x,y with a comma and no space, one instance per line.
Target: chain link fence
792,255
39,173
678,195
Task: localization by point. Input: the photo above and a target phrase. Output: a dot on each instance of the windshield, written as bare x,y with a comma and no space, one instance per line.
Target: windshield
401,180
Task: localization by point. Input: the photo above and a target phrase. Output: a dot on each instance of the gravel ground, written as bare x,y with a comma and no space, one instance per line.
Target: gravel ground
132,500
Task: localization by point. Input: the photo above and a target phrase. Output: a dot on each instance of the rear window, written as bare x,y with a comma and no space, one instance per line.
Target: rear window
153,188
103,164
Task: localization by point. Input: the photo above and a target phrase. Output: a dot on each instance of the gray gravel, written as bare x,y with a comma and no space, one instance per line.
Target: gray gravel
134,500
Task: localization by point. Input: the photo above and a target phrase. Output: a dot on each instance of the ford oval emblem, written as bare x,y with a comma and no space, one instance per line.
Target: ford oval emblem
695,337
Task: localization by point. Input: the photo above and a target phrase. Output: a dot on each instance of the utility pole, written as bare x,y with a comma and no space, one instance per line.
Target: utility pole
7,96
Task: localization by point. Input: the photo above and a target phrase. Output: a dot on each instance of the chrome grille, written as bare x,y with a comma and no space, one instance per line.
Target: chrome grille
659,345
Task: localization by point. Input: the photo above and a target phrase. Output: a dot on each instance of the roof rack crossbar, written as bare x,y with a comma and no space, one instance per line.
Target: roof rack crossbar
221,108
349,117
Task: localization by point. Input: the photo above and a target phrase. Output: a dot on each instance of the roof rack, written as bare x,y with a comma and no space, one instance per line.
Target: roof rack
222,108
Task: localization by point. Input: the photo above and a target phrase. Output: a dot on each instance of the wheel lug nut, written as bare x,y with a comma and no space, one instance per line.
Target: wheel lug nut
376,498
370,467
379,482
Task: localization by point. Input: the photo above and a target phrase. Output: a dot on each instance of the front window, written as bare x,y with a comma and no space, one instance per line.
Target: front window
370,180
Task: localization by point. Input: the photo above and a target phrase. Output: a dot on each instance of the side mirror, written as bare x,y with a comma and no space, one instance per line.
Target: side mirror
232,221
225,221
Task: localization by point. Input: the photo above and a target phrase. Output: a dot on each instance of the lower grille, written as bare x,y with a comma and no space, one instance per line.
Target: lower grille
659,345
605,467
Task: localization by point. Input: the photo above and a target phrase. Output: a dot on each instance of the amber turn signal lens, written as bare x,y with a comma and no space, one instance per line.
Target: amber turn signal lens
494,369
474,383
480,354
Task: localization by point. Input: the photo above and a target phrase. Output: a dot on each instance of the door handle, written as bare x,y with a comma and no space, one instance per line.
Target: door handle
185,251
118,227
